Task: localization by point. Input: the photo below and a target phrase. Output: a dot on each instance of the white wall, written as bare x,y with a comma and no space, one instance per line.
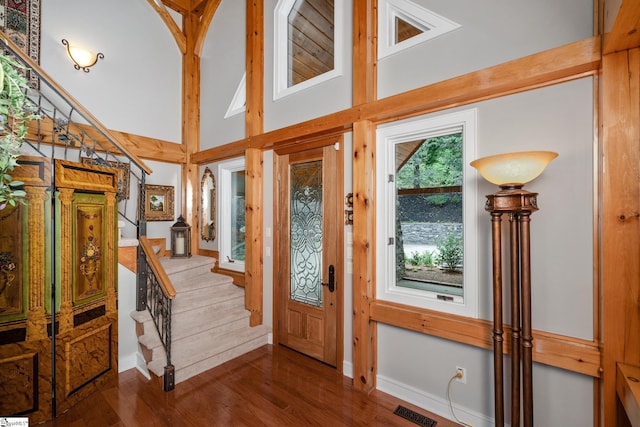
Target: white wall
492,32
136,88
222,67
332,95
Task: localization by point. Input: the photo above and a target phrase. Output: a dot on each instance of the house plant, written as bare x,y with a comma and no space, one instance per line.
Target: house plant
15,112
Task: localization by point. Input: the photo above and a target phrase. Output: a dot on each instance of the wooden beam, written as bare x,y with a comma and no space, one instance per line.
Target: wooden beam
255,68
253,226
143,147
541,69
191,127
564,63
168,20
573,354
209,11
254,161
620,218
180,6
365,52
625,33
153,149
364,220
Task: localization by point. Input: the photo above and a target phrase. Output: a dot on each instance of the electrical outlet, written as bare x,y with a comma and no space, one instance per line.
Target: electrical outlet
461,375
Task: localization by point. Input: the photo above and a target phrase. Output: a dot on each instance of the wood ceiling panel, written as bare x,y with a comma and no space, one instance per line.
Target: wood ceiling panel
311,39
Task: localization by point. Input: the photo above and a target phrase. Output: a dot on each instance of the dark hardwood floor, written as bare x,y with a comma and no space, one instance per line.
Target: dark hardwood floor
271,386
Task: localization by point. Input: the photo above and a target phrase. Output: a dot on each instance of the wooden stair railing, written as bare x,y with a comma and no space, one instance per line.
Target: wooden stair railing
156,293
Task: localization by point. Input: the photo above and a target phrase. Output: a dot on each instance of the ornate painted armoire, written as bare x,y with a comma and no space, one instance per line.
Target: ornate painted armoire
58,287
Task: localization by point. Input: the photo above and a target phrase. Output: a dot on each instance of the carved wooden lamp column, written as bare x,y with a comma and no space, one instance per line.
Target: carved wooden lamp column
510,172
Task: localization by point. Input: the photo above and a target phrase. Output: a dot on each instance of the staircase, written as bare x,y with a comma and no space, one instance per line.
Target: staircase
209,322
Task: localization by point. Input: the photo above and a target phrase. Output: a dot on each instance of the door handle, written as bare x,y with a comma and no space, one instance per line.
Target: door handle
332,279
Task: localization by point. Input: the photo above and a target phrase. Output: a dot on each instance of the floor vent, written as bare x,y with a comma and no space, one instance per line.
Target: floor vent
415,417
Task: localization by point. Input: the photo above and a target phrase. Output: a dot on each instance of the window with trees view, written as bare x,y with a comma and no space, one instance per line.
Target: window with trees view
426,200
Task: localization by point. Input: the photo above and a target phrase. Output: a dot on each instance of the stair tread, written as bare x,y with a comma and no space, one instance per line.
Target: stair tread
199,347
206,279
176,265
210,324
186,372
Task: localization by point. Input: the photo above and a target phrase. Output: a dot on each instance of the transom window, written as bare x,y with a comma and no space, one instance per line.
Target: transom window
403,23
308,40
426,205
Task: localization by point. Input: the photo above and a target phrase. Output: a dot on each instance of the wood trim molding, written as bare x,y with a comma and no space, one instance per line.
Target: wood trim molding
568,353
565,63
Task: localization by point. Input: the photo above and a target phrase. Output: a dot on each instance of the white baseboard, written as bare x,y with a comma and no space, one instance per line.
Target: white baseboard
141,365
347,369
432,403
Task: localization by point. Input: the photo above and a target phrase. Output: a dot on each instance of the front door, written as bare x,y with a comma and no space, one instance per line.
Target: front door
308,248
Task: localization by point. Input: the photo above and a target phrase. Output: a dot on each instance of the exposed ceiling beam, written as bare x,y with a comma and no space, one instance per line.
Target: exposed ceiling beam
625,31
210,7
181,6
184,7
178,35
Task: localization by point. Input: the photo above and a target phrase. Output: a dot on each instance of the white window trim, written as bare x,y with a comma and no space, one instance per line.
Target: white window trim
225,169
239,101
280,50
414,14
387,138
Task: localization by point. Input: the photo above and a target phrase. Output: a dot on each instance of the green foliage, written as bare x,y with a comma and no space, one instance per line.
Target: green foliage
421,259
15,112
437,163
450,252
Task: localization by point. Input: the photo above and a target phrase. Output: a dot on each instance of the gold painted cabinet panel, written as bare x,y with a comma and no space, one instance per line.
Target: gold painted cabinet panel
69,242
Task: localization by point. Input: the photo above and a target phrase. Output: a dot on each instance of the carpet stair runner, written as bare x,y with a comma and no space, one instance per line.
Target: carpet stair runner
209,322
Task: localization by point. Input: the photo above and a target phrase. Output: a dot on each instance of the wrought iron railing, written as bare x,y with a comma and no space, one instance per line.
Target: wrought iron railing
67,130
156,293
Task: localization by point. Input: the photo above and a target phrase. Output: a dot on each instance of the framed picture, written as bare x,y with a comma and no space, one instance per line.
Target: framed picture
123,174
158,203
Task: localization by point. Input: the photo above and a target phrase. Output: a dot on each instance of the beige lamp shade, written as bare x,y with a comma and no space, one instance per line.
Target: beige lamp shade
516,168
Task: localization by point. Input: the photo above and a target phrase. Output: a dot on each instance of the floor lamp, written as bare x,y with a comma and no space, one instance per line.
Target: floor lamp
510,172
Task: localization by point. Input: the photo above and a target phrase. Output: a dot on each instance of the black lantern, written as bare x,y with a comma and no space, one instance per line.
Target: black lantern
180,239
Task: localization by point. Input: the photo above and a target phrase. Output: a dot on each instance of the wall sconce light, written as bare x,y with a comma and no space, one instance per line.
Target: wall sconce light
510,172
83,59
